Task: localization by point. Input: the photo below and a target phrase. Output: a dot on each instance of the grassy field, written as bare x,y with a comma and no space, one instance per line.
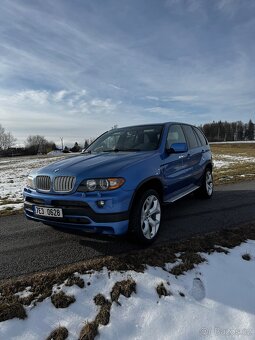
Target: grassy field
233,162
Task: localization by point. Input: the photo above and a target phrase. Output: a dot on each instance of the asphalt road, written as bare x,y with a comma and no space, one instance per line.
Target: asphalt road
26,246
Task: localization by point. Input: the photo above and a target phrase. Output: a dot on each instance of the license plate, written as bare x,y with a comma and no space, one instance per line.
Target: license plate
49,212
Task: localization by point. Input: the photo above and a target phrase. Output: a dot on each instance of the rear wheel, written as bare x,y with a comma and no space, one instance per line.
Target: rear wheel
206,189
145,217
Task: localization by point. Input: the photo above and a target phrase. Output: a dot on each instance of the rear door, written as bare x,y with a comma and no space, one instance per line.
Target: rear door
194,156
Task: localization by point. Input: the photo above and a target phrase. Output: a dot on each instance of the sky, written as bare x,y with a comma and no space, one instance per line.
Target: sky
75,68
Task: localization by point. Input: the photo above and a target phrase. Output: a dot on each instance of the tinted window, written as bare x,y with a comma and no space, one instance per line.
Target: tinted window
201,137
192,139
175,135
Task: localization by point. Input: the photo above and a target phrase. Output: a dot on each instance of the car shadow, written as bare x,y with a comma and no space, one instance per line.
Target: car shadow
185,218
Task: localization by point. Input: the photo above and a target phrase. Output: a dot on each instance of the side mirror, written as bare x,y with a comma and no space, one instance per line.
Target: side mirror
178,148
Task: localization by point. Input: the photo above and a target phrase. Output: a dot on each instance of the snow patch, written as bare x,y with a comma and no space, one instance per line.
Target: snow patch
13,175
217,300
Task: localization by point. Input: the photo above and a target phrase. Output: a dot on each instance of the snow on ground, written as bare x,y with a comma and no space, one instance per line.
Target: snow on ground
235,142
218,303
225,161
13,174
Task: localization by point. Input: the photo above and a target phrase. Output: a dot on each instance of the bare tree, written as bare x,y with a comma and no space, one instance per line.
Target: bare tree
2,132
6,139
62,142
37,143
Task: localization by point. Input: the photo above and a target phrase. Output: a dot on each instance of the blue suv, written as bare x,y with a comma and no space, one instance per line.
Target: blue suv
120,182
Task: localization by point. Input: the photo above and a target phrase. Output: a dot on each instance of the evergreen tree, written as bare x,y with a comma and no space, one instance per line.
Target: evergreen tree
86,144
250,130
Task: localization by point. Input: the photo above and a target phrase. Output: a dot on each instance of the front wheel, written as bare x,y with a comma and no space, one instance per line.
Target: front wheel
145,217
206,189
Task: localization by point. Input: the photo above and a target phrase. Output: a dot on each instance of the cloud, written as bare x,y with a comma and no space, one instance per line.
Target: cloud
152,98
71,113
169,113
83,67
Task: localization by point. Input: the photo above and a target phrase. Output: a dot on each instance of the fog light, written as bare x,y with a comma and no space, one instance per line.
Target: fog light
100,203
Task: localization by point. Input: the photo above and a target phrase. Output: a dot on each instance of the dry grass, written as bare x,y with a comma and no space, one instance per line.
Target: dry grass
42,283
11,308
5,201
162,291
89,331
189,260
75,280
242,149
60,333
237,171
61,300
125,288
10,211
103,316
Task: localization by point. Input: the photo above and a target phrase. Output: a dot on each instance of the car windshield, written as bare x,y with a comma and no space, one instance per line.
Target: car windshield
136,138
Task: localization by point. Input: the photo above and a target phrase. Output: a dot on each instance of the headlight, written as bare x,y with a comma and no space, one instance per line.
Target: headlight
91,184
101,184
30,182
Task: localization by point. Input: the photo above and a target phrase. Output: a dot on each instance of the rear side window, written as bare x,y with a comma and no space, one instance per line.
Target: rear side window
190,134
201,137
175,135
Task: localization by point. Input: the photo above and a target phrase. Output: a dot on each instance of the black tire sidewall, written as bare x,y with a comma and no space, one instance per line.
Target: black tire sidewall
135,227
205,192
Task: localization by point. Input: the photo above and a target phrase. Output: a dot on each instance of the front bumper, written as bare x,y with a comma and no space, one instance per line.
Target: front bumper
80,211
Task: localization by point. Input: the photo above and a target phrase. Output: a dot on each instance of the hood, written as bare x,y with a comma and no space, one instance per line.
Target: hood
106,164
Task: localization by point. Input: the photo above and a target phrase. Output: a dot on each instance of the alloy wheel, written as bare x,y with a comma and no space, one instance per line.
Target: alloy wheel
209,183
150,216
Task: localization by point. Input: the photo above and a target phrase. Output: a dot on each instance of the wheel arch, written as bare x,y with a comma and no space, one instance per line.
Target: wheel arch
209,166
150,183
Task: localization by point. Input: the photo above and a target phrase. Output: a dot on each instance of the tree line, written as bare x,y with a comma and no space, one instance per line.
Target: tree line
34,145
225,131
37,144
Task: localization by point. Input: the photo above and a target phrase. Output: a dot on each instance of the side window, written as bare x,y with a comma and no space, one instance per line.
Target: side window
175,135
190,134
200,136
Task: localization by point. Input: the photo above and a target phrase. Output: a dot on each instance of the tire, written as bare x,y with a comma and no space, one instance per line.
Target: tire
206,189
145,217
